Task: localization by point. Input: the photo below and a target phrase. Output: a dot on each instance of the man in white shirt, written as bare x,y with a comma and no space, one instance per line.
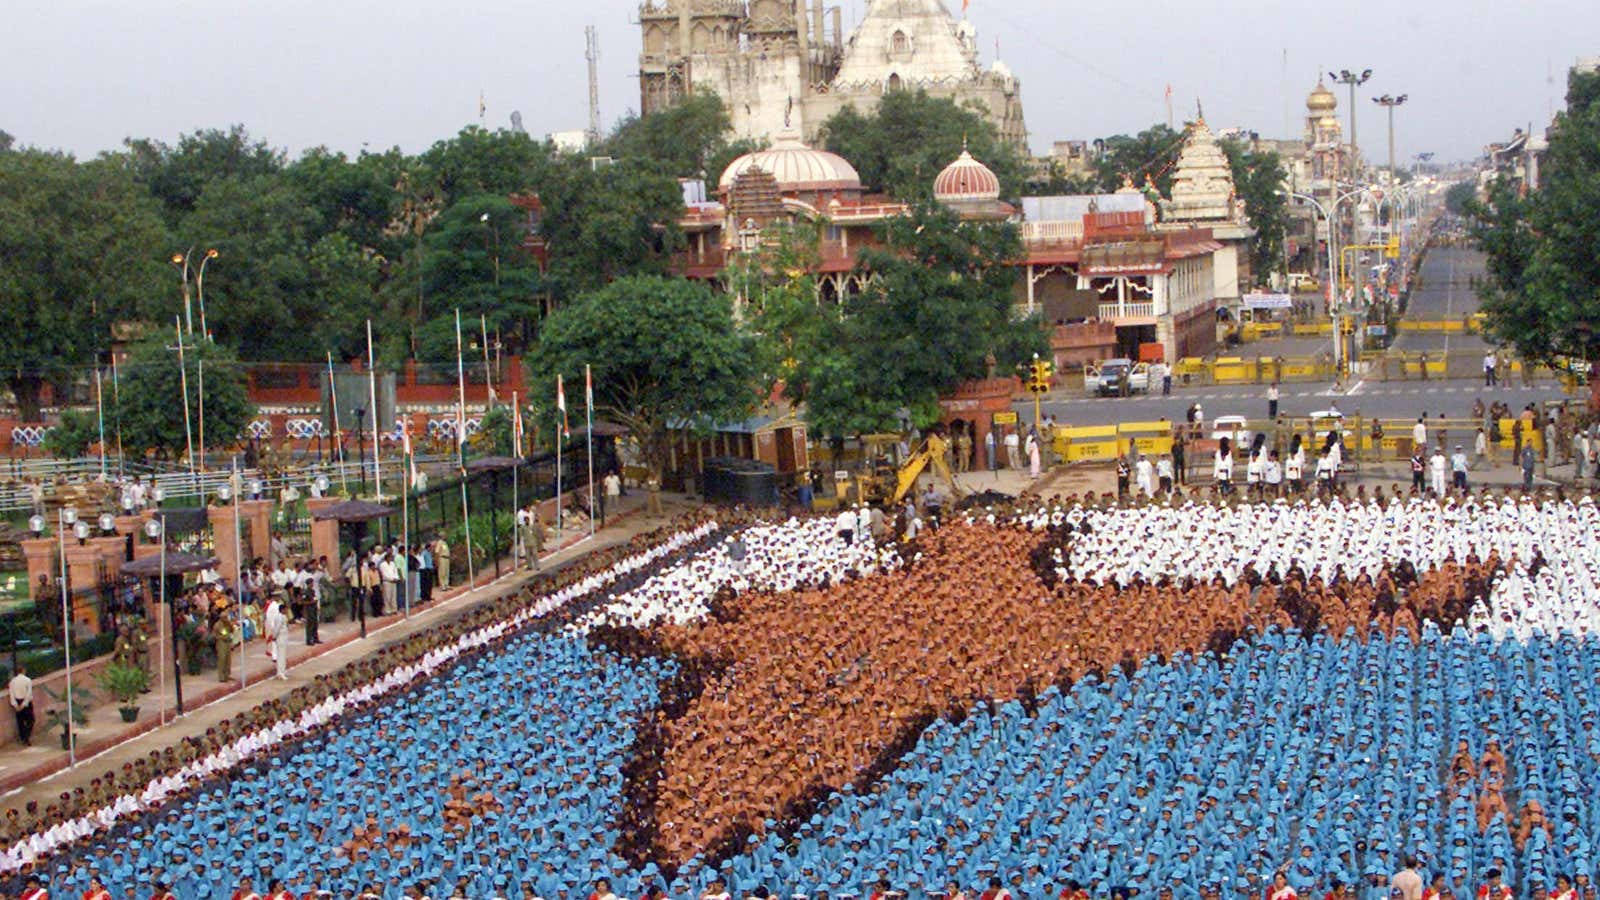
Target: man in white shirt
1013,449
845,525
22,706
1458,468
1436,469
389,573
1488,369
276,626
1419,433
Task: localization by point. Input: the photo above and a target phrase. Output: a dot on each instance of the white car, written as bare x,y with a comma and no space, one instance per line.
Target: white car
1230,427
1106,378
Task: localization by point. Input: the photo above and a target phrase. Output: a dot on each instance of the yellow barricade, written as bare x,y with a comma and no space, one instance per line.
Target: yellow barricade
1314,328
1530,435
1443,326
1297,370
1233,370
1150,438
1189,365
1088,442
1255,331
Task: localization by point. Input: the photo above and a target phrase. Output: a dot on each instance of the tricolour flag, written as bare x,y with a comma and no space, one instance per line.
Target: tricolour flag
516,425
561,404
405,449
588,389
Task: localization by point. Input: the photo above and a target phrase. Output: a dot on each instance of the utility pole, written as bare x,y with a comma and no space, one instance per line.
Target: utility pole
1390,103
592,54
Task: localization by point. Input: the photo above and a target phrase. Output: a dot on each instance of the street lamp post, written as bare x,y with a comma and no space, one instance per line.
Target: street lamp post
1389,103
67,516
1353,80
181,260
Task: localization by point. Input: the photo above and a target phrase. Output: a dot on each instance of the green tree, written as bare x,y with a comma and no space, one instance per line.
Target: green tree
1258,179
73,434
903,145
666,353
1459,196
1543,291
686,140
80,248
474,261
152,397
177,176
941,299
477,161
1148,155
605,224
6,141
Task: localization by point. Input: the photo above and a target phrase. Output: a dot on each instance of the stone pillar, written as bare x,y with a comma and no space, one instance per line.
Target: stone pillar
40,554
259,514
112,549
83,572
325,538
224,540
133,525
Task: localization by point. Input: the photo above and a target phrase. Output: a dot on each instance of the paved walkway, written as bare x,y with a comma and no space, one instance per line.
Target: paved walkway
41,772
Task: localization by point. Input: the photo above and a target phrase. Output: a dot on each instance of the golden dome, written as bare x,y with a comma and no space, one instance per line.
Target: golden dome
1329,122
1321,100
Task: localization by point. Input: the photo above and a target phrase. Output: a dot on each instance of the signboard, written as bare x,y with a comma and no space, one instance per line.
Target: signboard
1268,301
1377,330
1008,417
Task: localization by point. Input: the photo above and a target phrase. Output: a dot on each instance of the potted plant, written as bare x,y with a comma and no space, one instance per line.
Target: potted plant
58,718
124,682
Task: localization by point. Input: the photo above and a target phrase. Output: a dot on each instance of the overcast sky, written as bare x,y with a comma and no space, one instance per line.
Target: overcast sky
82,75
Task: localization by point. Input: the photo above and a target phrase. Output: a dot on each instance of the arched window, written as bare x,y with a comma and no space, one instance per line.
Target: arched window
893,84
899,43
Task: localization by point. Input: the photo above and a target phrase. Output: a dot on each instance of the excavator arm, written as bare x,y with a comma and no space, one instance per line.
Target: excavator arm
931,453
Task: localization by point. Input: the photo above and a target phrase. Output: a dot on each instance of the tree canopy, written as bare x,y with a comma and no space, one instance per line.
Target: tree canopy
1258,179
152,397
665,353
939,301
903,145
1543,291
77,241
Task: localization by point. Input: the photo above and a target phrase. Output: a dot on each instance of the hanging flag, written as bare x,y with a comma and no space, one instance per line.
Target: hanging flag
516,426
561,404
964,5
406,451
588,389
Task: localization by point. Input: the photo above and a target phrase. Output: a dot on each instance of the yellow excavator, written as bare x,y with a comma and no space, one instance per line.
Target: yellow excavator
930,453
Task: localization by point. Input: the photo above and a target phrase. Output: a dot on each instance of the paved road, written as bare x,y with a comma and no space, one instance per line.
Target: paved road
1392,399
1444,292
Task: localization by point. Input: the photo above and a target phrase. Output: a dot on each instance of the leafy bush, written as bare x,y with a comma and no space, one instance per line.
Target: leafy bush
123,682
484,546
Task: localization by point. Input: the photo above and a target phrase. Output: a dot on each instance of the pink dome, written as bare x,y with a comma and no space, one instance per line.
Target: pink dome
966,179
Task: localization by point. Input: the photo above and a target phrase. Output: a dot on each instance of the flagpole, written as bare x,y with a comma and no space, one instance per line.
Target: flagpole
406,482
561,427
338,436
116,405
517,549
488,373
100,414
372,397
588,415
238,578
461,448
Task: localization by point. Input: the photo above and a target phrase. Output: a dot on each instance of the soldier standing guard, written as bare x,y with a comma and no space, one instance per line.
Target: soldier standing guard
224,643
